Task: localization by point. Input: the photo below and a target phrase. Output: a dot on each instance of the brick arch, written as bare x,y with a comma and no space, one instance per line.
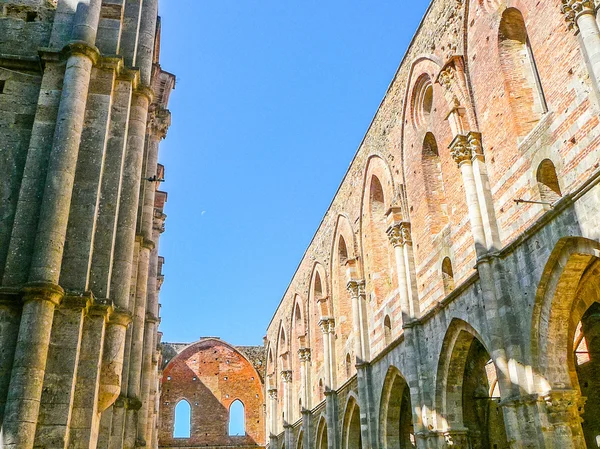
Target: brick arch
319,306
377,254
451,365
210,375
351,437
569,285
393,411
344,266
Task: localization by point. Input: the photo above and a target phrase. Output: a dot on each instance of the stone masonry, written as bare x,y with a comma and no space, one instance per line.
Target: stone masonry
83,108
210,375
450,297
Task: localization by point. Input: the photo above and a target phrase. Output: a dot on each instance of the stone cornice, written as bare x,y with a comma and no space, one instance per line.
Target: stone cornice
43,291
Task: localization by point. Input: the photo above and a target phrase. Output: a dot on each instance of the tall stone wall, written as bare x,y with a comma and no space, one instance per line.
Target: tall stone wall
83,108
447,298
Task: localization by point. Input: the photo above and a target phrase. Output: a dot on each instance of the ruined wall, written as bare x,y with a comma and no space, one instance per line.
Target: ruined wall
83,108
211,375
479,166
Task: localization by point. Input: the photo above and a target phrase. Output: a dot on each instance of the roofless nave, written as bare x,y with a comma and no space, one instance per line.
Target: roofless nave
431,309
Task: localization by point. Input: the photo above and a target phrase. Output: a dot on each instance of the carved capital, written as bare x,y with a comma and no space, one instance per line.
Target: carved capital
327,325
474,143
356,287
573,9
394,233
304,354
159,121
460,149
272,392
286,376
564,406
447,76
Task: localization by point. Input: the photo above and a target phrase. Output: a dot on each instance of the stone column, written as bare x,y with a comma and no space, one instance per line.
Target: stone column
331,416
125,245
27,376
85,416
581,17
272,393
327,327
304,356
562,421
353,287
462,153
395,235
286,377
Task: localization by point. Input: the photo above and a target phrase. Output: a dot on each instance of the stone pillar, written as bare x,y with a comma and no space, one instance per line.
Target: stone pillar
562,423
272,393
27,376
395,235
327,326
581,17
307,438
304,356
353,287
54,417
286,377
331,416
10,315
85,416
461,151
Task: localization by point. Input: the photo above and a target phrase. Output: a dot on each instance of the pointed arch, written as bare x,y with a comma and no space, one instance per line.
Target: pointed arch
319,307
521,78
344,267
322,441
435,194
396,413
465,379
378,259
547,181
237,418
182,423
351,435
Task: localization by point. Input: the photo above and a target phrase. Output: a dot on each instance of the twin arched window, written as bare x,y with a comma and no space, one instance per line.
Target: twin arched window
183,419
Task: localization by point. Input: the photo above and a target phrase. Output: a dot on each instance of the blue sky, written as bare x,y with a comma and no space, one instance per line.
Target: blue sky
272,100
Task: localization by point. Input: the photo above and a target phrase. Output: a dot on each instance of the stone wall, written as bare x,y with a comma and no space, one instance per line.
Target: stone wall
457,259
211,375
83,108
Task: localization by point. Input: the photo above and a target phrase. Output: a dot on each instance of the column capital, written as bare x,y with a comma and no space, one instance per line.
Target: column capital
327,325
564,405
286,376
304,354
356,287
399,234
159,121
466,147
272,392
573,9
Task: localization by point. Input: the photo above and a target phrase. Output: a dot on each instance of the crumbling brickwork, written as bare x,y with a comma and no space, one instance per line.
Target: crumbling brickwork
83,108
211,375
448,298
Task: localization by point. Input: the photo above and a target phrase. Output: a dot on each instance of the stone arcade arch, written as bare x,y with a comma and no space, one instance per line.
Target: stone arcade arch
351,438
468,393
322,442
396,413
565,343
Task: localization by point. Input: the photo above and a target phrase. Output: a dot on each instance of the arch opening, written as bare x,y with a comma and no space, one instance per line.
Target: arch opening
322,442
352,436
237,419
182,424
521,78
387,330
437,216
397,414
547,181
447,276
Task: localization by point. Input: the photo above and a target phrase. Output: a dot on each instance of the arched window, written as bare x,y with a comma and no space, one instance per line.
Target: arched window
437,215
447,276
183,420
237,424
422,100
548,182
387,330
348,365
342,251
377,199
521,78
321,389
